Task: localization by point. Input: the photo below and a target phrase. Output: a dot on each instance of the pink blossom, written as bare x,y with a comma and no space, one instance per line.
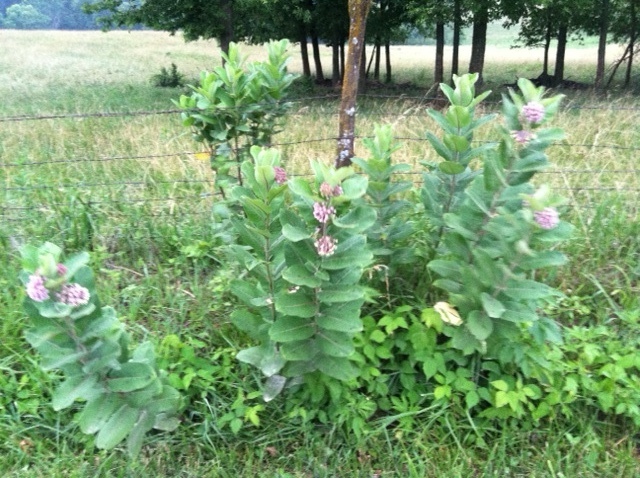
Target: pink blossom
548,218
522,136
326,190
73,295
62,269
322,211
281,175
326,245
36,289
533,112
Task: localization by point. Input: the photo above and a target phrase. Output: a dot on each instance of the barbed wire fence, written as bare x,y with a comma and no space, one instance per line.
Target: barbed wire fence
146,207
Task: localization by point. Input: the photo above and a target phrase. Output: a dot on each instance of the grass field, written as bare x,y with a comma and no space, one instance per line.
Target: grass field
130,189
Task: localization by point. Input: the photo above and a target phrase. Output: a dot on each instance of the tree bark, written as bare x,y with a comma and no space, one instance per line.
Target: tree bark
438,74
387,56
226,37
602,42
358,11
479,42
304,53
457,23
547,46
315,44
633,33
558,73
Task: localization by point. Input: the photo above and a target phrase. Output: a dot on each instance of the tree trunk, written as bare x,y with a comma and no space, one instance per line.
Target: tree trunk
602,42
226,37
438,74
304,53
457,23
358,11
558,73
633,32
336,78
547,46
387,56
315,44
479,42
362,78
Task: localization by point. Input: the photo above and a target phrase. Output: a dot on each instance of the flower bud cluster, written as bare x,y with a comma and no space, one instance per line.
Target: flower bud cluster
40,289
532,114
323,211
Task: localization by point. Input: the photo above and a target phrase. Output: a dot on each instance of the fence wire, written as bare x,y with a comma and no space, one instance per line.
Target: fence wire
29,207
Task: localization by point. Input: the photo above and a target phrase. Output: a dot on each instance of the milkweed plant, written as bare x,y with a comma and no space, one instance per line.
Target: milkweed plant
305,251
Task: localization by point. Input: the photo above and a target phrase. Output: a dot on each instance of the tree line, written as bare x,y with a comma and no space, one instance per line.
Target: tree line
314,22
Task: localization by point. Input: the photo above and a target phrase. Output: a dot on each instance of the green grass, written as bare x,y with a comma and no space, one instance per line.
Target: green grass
117,186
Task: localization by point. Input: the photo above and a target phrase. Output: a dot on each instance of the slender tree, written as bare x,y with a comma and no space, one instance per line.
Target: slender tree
358,11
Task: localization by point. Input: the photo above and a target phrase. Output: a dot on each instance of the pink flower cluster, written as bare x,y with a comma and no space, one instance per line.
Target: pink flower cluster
326,245
70,294
322,212
522,136
73,295
547,218
36,289
533,112
327,191
281,175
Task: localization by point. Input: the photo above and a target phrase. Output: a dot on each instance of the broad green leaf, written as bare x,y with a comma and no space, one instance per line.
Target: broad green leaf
333,294
272,387
439,147
524,289
136,436
97,411
354,187
117,427
446,269
542,259
249,323
291,329
139,398
303,350
337,367
73,388
299,274
245,291
341,317
479,324
462,339
166,422
351,253
296,304
335,344
450,167
357,220
295,234
492,306
131,376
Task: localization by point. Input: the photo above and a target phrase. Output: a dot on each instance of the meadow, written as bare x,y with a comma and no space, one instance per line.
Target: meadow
94,157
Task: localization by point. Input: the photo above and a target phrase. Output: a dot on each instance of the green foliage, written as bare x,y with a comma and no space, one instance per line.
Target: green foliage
303,249
238,105
168,78
124,393
490,240
24,16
